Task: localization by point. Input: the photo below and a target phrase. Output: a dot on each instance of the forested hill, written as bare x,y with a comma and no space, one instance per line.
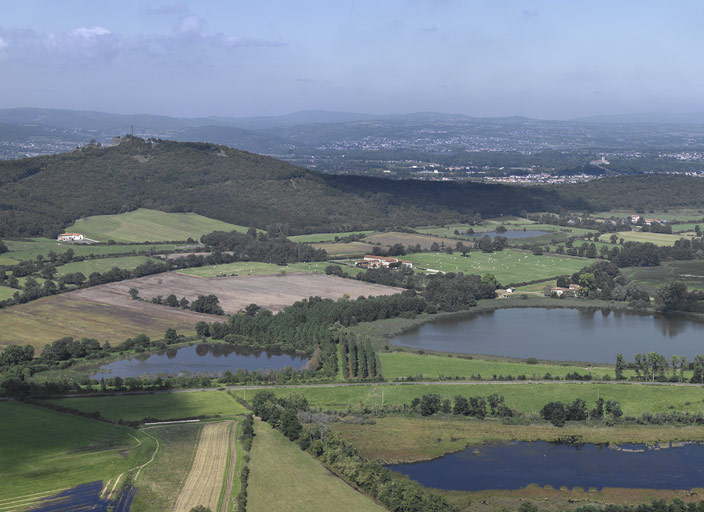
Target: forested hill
42,195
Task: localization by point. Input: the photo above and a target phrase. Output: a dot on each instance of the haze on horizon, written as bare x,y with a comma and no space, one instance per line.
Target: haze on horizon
542,59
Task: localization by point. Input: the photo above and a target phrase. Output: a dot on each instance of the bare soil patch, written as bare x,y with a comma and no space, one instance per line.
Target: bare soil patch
273,292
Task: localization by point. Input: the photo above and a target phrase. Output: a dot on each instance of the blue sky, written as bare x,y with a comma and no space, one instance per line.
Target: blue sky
546,59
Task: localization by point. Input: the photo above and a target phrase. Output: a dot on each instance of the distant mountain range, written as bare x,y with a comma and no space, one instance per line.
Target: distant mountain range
304,136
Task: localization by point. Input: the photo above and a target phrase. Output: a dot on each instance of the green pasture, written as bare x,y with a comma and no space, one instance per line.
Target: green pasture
253,268
635,399
43,451
325,237
6,292
655,238
687,227
23,250
508,266
406,364
87,267
144,225
346,249
284,477
161,406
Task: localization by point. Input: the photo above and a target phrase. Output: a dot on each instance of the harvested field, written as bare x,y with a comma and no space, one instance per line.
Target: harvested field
410,239
93,313
204,482
272,292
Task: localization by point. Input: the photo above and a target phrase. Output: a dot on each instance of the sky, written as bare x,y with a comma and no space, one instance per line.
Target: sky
557,59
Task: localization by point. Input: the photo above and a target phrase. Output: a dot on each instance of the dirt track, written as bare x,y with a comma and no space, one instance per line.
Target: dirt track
272,292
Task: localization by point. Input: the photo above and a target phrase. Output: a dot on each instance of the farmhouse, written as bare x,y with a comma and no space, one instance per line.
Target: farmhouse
635,218
371,261
560,291
69,237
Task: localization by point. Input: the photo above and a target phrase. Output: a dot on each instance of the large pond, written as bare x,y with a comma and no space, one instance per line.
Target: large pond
516,465
202,358
511,234
560,334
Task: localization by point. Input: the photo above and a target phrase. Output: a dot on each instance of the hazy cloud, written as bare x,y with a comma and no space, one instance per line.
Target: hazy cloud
191,25
526,13
430,29
239,42
3,44
167,9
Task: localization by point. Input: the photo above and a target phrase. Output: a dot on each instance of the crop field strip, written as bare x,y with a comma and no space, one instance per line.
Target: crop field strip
162,406
410,239
346,249
205,480
325,237
228,497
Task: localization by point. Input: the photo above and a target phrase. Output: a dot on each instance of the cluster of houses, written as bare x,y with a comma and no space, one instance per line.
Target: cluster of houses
371,261
635,219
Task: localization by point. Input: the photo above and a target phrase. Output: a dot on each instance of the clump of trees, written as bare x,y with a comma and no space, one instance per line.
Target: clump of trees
558,413
477,406
269,248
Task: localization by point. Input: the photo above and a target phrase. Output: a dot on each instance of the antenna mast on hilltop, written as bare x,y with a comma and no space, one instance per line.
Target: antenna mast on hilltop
132,129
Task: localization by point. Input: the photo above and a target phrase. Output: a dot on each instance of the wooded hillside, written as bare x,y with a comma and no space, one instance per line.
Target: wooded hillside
42,195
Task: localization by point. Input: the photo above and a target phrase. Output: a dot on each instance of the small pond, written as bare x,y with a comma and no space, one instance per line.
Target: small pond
511,234
209,358
561,335
518,464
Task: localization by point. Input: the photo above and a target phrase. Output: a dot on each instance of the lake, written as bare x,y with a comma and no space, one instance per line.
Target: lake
213,358
515,465
511,234
560,335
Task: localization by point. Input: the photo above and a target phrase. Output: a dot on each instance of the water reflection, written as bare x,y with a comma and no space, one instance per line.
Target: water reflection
561,334
516,465
206,358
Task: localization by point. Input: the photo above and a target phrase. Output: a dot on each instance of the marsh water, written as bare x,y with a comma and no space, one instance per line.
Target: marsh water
560,334
518,464
211,358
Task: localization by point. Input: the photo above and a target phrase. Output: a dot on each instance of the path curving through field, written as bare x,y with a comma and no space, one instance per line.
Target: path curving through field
204,482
